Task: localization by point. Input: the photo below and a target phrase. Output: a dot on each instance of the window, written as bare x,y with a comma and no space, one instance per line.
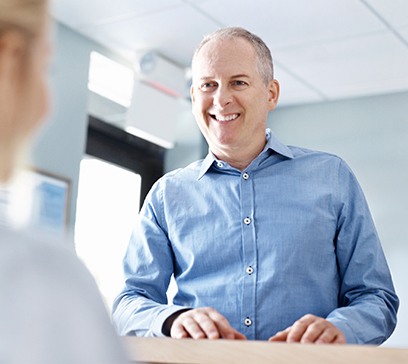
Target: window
115,176
107,206
110,79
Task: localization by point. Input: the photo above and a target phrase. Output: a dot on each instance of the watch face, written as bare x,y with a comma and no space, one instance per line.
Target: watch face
148,62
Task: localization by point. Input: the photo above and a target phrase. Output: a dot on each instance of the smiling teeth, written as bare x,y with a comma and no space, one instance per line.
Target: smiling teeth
227,117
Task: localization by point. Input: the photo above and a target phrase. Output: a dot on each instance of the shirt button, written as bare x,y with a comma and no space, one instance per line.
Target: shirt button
248,322
220,164
245,176
250,270
247,221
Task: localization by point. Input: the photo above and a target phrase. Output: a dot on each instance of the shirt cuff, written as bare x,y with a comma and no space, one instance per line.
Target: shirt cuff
345,329
157,326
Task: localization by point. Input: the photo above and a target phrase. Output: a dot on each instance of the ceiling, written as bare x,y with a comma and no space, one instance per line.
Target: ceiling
323,49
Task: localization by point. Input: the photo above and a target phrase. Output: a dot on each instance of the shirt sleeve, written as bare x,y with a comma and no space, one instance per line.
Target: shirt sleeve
367,300
142,307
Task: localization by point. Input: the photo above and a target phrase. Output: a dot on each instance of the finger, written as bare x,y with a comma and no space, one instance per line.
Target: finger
280,335
239,336
226,331
321,331
317,330
296,332
191,327
340,339
313,333
208,326
177,331
204,323
331,335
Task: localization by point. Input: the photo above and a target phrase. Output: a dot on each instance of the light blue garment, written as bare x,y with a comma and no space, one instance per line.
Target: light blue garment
51,311
290,235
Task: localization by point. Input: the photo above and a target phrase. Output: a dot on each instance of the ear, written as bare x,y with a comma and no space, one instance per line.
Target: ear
12,45
192,90
273,91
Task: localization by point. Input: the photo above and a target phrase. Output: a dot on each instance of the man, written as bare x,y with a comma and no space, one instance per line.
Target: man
265,241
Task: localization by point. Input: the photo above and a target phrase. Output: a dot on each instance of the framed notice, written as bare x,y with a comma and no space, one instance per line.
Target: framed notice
36,199
50,200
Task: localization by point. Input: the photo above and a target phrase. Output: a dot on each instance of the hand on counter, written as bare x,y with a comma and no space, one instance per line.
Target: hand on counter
311,329
203,323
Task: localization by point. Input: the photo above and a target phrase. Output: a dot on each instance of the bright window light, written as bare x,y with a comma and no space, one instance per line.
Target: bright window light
107,206
110,79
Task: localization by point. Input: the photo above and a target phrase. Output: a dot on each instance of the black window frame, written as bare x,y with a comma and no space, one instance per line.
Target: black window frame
113,144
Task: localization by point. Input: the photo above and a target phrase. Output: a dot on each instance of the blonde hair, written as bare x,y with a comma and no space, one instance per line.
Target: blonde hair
27,16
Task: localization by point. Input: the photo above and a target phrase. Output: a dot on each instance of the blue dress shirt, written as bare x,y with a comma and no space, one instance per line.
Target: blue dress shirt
290,235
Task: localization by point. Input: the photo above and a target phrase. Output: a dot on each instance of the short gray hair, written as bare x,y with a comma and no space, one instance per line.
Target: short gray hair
263,53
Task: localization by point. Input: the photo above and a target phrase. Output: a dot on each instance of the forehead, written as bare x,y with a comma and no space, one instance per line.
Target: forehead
236,55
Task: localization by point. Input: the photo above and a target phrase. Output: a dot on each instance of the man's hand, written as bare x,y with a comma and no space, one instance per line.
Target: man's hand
311,329
203,323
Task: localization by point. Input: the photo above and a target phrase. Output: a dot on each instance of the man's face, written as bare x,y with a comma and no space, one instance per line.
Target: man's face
230,100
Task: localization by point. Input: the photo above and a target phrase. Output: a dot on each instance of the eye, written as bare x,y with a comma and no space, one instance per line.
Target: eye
208,86
239,84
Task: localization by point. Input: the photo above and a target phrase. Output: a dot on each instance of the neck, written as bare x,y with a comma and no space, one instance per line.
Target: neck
238,158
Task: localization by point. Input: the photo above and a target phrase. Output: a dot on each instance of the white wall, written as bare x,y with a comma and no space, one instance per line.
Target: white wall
61,143
371,134
188,145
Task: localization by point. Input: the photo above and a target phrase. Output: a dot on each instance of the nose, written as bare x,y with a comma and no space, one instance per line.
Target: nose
222,96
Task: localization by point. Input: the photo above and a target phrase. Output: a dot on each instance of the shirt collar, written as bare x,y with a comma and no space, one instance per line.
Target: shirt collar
272,143
275,145
207,162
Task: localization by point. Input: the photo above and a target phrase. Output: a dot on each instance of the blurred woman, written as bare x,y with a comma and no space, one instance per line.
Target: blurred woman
50,307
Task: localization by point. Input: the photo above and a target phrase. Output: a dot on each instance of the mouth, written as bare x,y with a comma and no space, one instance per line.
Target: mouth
225,118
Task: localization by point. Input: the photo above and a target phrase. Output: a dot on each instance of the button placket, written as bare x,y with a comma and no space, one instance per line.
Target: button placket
248,310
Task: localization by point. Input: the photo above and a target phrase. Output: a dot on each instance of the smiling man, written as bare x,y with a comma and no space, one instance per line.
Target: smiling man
231,99
265,241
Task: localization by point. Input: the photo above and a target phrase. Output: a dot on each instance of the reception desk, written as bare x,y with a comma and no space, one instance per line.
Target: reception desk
188,351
